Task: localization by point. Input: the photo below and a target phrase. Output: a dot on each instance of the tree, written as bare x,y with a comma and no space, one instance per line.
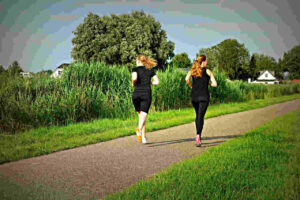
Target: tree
253,71
281,69
181,60
171,47
291,62
264,62
233,58
2,69
211,56
120,39
14,68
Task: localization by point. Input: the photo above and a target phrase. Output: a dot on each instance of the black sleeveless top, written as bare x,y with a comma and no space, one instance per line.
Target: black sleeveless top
200,87
144,76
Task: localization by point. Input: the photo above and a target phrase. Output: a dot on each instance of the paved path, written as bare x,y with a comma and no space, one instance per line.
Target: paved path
107,167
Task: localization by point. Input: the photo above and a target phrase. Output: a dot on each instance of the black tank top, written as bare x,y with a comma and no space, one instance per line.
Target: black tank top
200,87
143,78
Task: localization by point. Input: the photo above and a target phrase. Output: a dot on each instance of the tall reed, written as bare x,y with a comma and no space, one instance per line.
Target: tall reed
95,91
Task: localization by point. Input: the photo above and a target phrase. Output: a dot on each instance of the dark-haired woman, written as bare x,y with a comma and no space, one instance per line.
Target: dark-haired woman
142,95
200,94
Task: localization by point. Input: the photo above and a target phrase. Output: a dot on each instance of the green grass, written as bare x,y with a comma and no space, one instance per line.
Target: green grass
11,188
46,140
263,164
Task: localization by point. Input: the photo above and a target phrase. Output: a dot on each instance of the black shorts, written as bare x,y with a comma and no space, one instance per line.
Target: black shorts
142,101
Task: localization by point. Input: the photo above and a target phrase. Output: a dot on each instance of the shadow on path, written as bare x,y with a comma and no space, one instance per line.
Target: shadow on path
162,143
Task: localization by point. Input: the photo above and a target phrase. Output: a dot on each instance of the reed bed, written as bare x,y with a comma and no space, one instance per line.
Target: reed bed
96,91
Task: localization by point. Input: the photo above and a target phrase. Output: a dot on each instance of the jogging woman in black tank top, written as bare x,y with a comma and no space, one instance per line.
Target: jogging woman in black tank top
142,95
200,94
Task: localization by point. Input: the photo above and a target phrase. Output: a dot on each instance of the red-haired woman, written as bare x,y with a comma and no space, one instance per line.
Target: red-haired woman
200,94
142,95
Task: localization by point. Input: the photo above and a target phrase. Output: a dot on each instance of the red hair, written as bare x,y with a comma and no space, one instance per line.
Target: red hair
147,62
196,70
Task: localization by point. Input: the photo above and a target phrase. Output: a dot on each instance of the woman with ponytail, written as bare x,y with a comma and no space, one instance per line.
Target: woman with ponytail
200,94
142,95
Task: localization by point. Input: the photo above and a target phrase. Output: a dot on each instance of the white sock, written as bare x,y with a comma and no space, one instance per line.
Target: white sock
140,132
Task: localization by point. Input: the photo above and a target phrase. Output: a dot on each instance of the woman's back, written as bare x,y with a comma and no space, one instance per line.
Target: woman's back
143,78
200,87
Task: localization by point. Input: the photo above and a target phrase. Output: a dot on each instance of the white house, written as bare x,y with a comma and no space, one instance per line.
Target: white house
26,74
266,77
59,70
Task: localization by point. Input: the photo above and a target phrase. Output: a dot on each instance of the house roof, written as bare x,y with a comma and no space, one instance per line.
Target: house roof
267,75
271,72
296,81
63,65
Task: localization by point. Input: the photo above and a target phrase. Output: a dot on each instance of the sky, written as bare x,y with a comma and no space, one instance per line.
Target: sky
38,33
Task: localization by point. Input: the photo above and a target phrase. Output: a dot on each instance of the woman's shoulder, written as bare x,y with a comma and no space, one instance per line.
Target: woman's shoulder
135,69
208,71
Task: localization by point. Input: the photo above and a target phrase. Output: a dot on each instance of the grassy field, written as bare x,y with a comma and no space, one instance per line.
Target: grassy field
263,164
46,140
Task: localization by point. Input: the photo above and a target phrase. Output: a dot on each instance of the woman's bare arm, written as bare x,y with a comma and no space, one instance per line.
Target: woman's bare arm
155,81
187,79
212,78
134,78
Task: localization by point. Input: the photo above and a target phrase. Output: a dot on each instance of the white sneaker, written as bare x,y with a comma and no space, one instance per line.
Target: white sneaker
144,140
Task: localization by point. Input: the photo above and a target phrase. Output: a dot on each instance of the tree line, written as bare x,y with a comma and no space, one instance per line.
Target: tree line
119,39
15,69
233,58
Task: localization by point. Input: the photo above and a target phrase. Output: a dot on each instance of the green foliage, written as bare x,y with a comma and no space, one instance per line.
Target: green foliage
264,62
230,57
211,56
181,61
2,69
118,40
97,91
233,58
14,68
171,47
253,70
291,62
45,72
172,93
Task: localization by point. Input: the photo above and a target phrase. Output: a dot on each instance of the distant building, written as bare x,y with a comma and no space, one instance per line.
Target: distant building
266,77
26,74
59,70
295,81
285,75
184,69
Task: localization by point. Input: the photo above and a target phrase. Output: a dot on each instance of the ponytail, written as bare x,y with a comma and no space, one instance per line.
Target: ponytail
196,69
149,63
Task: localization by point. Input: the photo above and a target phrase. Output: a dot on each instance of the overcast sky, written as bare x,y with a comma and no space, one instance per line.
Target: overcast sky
38,33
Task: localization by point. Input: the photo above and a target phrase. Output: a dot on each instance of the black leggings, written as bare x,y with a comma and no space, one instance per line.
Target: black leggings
200,109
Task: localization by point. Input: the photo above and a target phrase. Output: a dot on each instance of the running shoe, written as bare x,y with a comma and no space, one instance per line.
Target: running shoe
198,142
144,140
138,135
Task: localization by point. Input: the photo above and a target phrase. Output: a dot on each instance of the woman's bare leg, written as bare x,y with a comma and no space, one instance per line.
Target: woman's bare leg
142,122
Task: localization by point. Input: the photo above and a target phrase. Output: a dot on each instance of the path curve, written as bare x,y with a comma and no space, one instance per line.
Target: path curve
107,167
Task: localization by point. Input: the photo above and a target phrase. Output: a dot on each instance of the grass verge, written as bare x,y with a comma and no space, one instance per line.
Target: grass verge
263,164
47,140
